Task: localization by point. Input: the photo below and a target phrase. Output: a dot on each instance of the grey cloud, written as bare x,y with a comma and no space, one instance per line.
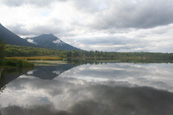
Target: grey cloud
45,29
19,29
117,43
39,110
38,29
156,39
123,48
15,3
87,5
128,14
109,40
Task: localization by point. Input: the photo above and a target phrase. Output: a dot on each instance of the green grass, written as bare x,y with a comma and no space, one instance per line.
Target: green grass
36,58
15,63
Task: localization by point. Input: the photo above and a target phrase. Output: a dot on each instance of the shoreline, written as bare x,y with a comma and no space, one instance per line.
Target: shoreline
46,62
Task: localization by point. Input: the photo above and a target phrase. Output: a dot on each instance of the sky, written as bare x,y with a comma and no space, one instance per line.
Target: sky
103,25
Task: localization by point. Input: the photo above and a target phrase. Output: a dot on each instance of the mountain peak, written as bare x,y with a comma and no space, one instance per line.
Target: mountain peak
45,38
52,42
46,35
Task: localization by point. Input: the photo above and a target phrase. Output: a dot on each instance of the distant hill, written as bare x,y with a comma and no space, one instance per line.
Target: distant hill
10,38
51,42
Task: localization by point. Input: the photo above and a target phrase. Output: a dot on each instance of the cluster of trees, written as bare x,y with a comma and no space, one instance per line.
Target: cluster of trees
13,50
117,55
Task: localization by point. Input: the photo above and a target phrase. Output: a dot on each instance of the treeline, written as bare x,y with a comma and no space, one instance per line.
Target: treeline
117,55
12,50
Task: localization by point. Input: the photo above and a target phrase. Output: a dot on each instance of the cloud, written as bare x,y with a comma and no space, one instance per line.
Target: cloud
158,39
16,3
39,110
137,14
88,5
31,41
46,26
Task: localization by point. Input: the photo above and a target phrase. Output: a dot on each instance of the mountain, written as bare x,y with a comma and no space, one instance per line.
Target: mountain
51,42
10,38
45,40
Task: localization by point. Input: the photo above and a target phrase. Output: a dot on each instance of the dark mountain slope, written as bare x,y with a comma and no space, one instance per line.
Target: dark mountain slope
10,38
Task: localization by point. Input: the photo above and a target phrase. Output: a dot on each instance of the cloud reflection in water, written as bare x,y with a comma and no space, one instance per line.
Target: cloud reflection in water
107,89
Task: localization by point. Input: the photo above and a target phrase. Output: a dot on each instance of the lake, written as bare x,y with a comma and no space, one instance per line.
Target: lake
89,89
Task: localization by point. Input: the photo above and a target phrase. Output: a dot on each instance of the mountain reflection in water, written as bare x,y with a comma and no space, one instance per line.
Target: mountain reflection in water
104,89
50,72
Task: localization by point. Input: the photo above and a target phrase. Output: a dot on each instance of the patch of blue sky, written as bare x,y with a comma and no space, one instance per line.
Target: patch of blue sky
45,13
102,5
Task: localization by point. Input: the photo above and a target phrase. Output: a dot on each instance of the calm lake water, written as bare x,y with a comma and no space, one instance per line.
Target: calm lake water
102,89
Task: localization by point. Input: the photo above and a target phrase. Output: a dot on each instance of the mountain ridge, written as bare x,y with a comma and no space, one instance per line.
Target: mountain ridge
48,41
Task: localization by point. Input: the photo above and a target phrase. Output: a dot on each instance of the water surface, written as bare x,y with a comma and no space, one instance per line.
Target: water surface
102,89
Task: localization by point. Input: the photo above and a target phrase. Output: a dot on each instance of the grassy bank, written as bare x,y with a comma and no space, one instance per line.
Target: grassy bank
36,58
15,63
40,60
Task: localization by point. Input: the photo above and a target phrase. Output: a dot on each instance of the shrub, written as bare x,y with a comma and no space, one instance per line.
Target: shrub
15,63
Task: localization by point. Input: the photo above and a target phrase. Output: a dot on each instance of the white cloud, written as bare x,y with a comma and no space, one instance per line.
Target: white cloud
31,41
16,3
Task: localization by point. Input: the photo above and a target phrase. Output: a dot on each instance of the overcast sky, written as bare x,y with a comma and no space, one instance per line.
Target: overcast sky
107,25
